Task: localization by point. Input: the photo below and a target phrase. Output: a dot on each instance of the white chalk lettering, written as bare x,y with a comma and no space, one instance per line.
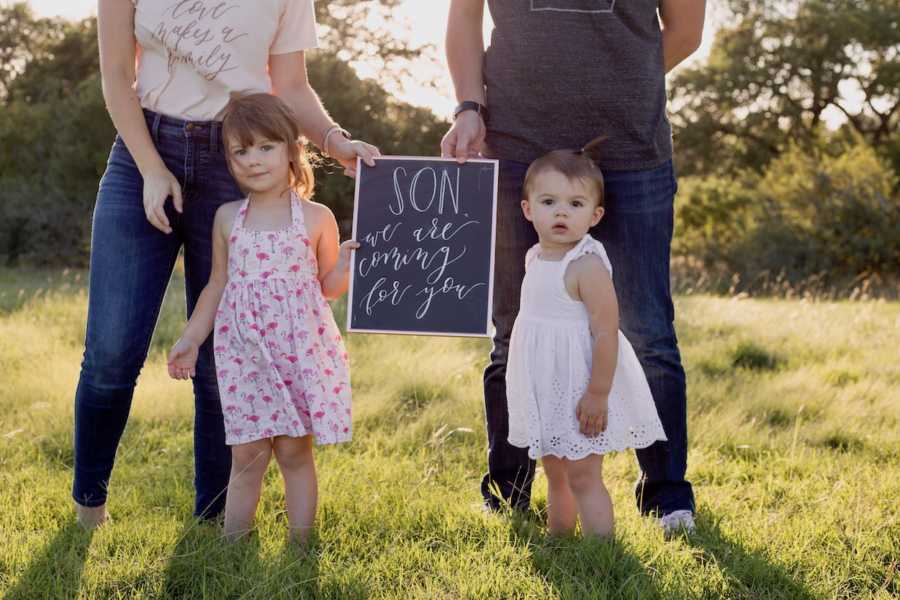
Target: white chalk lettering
415,182
422,202
447,186
398,194
395,258
449,286
376,295
445,232
382,235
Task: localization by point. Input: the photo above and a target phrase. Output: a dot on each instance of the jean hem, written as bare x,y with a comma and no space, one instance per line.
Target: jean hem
89,503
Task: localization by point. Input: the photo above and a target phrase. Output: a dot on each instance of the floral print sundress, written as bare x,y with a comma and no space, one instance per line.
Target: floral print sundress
281,364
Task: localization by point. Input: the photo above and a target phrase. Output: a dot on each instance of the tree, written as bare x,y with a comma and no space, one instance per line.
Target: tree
54,122
826,211
23,39
343,29
368,110
68,59
778,70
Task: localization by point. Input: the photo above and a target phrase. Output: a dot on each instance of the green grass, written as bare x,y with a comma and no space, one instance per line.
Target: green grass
794,415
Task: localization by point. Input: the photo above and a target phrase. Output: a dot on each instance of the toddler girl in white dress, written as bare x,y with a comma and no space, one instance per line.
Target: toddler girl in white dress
575,387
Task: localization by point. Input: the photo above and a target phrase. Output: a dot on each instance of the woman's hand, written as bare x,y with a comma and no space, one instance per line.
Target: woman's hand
182,361
593,413
115,32
345,152
159,185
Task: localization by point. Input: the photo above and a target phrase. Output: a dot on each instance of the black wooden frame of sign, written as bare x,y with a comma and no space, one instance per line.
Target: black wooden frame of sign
490,295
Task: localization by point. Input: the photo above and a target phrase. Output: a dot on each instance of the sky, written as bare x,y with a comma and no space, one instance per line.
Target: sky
425,19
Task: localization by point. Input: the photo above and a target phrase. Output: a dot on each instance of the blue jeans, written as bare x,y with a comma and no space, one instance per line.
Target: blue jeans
637,233
131,263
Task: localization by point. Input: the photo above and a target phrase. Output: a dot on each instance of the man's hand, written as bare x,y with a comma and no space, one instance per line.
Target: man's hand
465,138
593,413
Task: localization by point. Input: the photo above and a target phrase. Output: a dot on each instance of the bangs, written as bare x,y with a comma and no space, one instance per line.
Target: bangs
249,117
254,117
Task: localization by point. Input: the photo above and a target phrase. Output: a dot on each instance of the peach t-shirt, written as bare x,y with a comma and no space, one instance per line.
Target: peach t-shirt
193,53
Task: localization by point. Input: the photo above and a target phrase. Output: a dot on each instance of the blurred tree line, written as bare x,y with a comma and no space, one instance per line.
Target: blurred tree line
768,193
55,134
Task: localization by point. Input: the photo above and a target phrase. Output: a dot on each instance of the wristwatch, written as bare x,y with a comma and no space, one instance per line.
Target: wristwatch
465,105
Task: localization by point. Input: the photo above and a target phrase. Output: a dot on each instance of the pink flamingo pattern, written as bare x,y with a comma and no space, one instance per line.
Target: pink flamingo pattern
280,361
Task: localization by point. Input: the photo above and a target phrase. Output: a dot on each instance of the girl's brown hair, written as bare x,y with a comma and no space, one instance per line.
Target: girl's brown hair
249,115
574,164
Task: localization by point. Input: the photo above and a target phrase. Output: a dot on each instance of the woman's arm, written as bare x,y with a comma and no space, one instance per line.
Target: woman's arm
118,49
290,83
183,356
333,260
595,289
465,54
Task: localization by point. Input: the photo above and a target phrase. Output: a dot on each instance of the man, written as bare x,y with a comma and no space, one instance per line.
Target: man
557,74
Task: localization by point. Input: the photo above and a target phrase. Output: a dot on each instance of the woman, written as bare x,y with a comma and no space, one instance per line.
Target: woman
168,69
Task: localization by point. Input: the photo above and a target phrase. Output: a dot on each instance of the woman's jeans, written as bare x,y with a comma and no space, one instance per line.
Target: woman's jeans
636,231
131,263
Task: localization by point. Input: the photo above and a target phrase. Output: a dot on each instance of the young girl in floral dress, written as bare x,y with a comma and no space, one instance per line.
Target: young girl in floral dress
281,364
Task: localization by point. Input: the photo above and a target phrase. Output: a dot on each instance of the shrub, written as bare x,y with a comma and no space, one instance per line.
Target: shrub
830,213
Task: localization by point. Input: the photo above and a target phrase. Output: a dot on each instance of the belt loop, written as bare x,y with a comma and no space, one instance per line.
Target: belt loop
214,136
154,131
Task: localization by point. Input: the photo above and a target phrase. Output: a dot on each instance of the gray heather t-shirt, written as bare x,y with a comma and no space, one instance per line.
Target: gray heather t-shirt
559,73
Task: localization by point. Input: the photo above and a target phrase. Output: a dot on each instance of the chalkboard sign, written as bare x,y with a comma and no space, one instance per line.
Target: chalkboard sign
426,262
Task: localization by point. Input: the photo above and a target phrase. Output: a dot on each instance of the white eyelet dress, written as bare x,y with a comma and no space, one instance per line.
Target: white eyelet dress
549,368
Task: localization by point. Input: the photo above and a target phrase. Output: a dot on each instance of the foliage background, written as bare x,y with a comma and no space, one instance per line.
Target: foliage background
771,200
795,433
55,134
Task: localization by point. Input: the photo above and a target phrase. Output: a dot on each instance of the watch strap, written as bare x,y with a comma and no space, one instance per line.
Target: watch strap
465,105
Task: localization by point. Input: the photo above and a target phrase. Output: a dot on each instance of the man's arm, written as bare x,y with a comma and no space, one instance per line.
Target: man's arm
465,53
465,48
682,22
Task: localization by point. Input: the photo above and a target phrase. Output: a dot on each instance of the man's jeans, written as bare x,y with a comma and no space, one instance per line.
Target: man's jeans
131,263
636,231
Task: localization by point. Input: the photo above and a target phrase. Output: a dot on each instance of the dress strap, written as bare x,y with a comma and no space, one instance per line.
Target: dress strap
297,219
531,255
587,245
241,215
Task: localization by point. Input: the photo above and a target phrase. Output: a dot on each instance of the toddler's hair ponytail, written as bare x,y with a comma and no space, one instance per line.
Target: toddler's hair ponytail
574,164
590,149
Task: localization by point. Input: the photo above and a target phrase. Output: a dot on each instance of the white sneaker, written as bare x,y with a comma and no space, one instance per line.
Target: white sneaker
679,521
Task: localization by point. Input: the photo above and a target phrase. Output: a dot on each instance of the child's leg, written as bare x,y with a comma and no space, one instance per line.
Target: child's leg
248,467
594,503
295,458
561,508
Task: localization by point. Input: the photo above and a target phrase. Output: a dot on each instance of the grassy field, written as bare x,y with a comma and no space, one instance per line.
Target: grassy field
795,457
